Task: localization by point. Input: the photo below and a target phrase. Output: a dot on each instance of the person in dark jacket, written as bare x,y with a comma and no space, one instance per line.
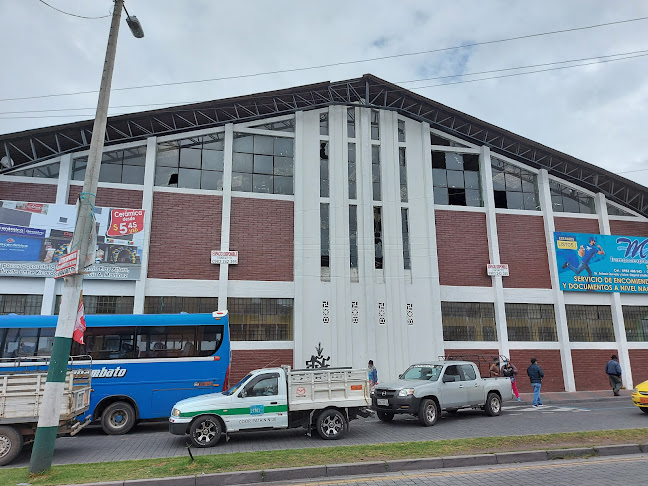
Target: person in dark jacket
613,370
535,375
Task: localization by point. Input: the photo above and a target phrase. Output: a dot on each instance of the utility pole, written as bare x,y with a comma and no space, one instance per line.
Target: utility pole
82,240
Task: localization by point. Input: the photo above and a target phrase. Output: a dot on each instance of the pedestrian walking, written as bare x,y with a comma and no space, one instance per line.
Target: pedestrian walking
535,375
613,370
509,370
372,374
494,369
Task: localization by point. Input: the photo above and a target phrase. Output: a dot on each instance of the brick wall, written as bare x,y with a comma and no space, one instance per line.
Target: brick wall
551,364
17,191
523,247
110,198
629,228
462,247
483,358
639,364
184,229
245,361
576,225
589,368
262,232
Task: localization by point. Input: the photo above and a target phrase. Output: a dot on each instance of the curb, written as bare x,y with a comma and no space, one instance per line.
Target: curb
377,467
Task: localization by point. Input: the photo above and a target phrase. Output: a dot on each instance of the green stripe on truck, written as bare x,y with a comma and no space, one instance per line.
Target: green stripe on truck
237,411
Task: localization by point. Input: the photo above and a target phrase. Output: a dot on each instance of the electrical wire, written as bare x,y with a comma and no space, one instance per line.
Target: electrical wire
342,63
73,15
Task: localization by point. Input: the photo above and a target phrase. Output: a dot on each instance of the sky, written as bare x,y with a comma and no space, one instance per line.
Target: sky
597,112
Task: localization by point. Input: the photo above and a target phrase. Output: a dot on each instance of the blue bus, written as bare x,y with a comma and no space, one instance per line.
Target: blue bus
142,364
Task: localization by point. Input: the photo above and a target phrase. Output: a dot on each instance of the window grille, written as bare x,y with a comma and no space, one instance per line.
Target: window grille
589,323
531,322
253,319
468,321
636,322
103,304
27,304
175,305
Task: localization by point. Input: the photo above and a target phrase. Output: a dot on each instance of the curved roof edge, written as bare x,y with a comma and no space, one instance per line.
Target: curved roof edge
40,144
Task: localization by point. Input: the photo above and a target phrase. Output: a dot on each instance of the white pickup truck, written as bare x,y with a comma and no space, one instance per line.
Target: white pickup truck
425,389
276,398
22,384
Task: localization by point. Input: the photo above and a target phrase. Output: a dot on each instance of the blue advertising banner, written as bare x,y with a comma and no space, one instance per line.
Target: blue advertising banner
602,263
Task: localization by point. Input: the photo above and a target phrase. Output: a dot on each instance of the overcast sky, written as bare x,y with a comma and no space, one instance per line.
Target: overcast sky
598,113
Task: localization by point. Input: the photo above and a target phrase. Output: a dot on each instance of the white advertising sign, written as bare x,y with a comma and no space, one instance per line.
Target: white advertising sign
221,257
502,269
67,265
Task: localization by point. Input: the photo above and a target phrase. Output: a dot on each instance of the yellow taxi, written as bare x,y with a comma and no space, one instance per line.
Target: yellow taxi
640,396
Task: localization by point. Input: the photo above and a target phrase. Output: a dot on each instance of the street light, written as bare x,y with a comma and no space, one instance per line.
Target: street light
84,240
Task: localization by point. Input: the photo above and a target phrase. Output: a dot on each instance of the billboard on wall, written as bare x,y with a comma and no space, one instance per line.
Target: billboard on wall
34,236
602,263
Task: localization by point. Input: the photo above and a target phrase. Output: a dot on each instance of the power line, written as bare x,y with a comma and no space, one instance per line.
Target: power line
342,63
73,15
629,55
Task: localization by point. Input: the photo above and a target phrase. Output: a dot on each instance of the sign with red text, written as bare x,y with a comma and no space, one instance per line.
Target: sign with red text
67,265
125,222
501,269
222,257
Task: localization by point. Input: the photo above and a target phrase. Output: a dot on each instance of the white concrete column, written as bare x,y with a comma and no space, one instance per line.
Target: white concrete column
558,297
299,266
147,206
226,214
493,249
615,300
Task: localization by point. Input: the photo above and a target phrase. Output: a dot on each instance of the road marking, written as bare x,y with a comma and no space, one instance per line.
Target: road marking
491,470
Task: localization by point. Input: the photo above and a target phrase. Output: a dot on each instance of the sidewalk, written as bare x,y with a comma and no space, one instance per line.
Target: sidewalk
555,398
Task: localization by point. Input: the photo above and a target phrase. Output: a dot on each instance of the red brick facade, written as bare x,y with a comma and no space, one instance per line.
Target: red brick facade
639,364
589,368
17,191
628,228
462,246
576,225
262,232
523,247
551,364
184,230
245,361
482,357
110,198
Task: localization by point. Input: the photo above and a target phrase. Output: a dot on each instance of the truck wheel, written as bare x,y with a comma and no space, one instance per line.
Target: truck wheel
385,416
205,431
493,405
331,424
11,442
428,412
118,418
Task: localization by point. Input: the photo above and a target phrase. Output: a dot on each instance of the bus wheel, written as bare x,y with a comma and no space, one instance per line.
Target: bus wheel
205,431
118,418
331,424
11,442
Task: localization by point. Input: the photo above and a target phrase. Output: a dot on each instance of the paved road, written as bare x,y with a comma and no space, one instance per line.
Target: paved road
152,440
591,472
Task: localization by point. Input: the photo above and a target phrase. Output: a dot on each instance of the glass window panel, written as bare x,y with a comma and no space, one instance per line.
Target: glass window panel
439,177
375,125
401,130
263,145
135,156
455,178
163,175
528,186
263,164
110,173
213,160
453,161
440,195
133,174
473,198
513,182
530,202
242,162
284,147
586,205
438,160
514,200
243,143
498,181
211,179
78,169
167,156
436,140
283,166
114,157
189,178
471,162
283,185
500,199
190,157
571,205
217,144
556,202
262,183
471,179
241,182
351,122
324,125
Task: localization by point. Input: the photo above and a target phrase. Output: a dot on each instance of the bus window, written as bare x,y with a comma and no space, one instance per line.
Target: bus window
210,339
106,343
45,341
11,341
166,341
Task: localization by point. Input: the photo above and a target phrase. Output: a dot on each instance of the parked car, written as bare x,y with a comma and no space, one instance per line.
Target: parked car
426,389
640,396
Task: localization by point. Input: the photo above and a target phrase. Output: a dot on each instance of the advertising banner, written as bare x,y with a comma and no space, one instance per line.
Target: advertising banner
35,236
602,263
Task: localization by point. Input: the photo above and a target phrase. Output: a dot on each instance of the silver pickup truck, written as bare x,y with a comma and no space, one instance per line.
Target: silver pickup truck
425,389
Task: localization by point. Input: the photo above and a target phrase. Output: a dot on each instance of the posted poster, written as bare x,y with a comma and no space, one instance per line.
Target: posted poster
602,263
34,236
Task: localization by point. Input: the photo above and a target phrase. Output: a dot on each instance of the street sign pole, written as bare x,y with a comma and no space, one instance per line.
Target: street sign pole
83,242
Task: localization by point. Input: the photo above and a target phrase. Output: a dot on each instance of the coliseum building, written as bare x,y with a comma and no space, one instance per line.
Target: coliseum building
364,217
